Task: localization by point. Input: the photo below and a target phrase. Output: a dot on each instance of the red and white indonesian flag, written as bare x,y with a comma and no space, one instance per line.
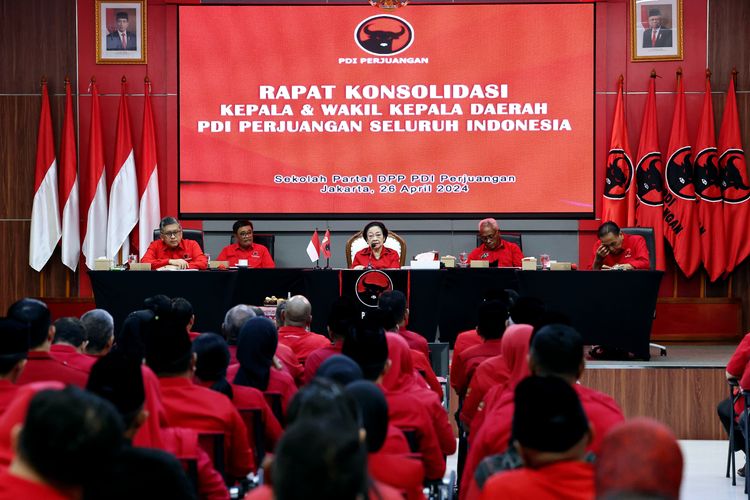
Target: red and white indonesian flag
618,204
71,235
707,180
680,217
649,177
123,195
313,248
94,189
45,213
735,183
148,178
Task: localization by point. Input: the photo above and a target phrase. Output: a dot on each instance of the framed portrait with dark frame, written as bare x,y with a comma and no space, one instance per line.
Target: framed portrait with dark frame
121,32
656,30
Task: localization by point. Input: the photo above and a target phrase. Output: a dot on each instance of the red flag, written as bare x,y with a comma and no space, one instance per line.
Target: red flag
618,204
735,183
649,173
313,248
123,195
148,178
680,218
325,245
94,189
707,180
45,211
71,235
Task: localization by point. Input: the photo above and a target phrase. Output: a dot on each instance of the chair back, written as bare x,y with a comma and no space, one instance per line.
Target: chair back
648,234
511,237
213,444
268,240
439,357
274,401
189,234
253,418
356,243
412,439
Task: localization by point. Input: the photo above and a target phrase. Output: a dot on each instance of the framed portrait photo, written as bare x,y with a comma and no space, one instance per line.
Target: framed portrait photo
656,30
121,32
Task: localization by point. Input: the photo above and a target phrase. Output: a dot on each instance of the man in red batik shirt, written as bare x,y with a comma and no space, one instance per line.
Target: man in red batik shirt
497,251
255,254
616,250
171,249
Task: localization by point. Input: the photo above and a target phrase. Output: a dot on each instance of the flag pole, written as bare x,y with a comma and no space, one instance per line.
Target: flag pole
317,262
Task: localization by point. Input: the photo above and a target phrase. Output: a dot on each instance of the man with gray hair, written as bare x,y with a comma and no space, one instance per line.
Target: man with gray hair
99,328
498,252
296,330
172,250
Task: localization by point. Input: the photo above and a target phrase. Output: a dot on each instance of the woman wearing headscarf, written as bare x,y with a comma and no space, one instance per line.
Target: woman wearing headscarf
256,345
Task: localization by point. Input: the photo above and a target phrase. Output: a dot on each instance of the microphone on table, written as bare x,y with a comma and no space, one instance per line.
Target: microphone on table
373,244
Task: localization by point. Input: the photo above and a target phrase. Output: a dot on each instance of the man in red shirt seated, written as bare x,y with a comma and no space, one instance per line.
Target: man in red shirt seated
168,354
255,254
41,365
617,250
550,433
395,303
68,438
344,314
498,252
171,249
99,327
70,343
296,333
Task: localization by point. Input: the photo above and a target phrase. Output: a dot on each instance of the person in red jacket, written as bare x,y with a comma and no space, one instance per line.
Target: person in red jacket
41,365
492,316
550,433
368,346
617,250
256,255
171,249
344,313
376,255
498,252
395,303
14,347
296,333
556,351
69,344
735,371
168,354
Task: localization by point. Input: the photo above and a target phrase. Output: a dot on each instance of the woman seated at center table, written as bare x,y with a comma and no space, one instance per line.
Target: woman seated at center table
376,255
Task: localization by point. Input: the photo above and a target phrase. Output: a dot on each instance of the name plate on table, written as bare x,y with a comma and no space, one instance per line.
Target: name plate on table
425,264
140,266
560,266
215,264
479,263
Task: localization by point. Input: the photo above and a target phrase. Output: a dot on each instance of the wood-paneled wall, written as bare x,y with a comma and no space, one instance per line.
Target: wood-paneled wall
37,38
683,398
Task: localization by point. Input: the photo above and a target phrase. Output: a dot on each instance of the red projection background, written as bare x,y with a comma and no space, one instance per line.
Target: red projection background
333,111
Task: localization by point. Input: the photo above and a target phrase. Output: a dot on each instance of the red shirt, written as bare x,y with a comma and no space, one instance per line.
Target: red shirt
257,255
389,259
7,393
159,254
466,339
69,356
42,366
279,382
467,361
190,405
506,254
567,480
291,363
634,252
316,358
415,341
302,342
14,487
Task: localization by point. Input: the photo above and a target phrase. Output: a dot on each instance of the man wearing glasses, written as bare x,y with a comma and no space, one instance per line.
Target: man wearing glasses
498,252
172,250
617,250
244,249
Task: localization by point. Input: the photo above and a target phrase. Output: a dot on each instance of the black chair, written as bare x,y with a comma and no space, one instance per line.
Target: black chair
439,352
274,401
213,444
268,240
511,237
190,234
648,234
253,418
733,385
